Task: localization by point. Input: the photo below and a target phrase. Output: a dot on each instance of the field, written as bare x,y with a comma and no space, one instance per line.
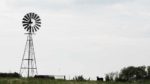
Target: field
46,81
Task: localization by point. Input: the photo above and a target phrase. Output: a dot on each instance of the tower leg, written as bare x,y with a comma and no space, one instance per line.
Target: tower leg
28,65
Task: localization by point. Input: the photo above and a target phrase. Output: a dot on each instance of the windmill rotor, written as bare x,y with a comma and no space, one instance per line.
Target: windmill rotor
31,22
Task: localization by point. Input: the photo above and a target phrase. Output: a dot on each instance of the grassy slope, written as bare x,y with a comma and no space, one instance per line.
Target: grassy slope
45,81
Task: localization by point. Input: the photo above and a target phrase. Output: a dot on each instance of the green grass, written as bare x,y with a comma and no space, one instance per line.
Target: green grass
46,81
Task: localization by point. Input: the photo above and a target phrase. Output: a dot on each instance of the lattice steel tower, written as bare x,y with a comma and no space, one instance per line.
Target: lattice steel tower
31,23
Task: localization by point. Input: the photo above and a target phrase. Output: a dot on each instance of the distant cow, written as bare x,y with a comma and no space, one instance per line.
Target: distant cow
99,79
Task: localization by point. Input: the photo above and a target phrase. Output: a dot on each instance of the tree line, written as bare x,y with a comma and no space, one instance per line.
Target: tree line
130,73
10,75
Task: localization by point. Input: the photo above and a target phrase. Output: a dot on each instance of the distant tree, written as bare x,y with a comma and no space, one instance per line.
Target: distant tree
148,72
107,77
116,76
141,72
133,73
128,73
79,78
110,76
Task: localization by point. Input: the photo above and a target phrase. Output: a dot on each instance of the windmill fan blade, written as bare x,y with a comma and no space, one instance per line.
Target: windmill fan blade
34,28
26,26
30,29
24,22
38,22
34,16
37,17
25,19
38,25
28,16
31,15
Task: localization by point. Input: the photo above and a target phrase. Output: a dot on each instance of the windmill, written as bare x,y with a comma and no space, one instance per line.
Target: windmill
31,23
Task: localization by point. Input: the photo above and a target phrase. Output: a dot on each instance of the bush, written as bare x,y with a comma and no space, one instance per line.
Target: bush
44,77
10,75
79,78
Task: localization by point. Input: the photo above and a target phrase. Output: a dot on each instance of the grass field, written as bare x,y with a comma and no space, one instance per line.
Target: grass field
46,81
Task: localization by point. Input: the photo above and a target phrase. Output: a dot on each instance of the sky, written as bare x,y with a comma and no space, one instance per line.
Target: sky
77,37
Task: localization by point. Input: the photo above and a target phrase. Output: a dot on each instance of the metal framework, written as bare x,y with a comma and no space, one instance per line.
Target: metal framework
28,65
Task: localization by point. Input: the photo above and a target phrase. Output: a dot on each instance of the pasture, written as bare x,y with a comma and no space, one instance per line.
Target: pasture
47,81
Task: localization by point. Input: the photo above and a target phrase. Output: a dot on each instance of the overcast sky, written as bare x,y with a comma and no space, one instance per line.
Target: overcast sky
77,37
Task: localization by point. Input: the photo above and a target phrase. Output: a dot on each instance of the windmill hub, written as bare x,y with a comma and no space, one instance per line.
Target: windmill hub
32,22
